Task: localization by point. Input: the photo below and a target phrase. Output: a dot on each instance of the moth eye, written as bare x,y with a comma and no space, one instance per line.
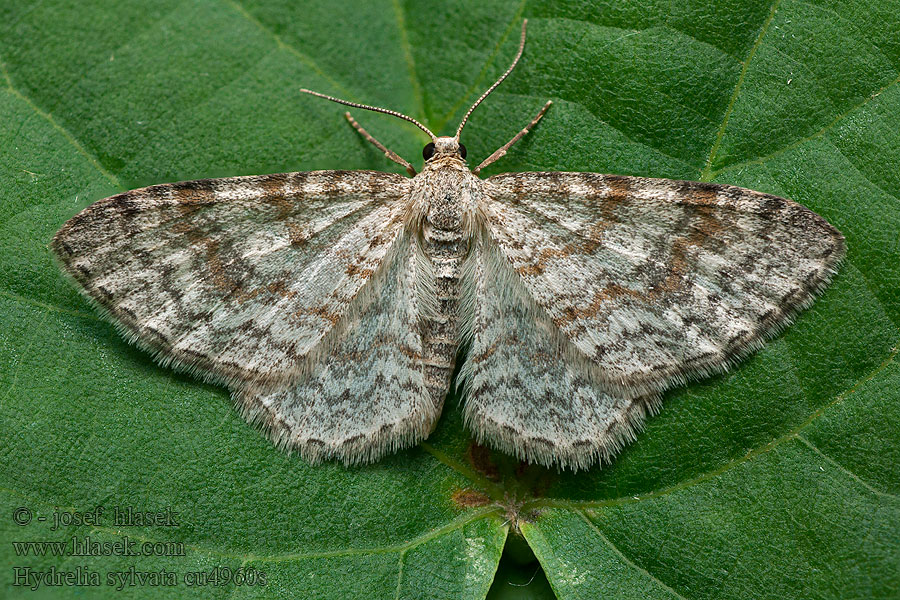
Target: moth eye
428,150
462,151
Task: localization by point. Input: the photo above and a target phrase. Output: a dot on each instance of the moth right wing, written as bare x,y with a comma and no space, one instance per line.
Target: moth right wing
244,280
656,281
588,295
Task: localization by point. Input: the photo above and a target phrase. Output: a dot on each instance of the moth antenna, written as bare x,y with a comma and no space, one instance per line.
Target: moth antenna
375,109
498,82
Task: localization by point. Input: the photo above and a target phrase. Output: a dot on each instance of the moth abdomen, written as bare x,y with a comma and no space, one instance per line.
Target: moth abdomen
444,250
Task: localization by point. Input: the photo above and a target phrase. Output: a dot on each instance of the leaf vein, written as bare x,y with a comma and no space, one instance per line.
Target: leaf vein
302,56
860,172
458,523
627,560
484,69
844,469
49,307
845,23
625,135
418,97
399,575
762,159
867,279
494,491
705,174
58,127
451,526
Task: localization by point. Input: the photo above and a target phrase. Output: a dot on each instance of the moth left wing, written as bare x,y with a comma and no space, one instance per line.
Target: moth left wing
654,281
242,280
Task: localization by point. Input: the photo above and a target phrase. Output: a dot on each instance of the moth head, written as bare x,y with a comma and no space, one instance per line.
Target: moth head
439,147
443,147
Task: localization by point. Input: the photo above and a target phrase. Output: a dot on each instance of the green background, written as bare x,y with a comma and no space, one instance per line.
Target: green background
779,479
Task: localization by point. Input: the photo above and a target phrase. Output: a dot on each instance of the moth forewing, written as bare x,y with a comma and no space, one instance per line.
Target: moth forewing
237,280
665,279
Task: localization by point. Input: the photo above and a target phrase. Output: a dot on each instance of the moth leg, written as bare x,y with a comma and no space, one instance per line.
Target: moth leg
389,153
501,151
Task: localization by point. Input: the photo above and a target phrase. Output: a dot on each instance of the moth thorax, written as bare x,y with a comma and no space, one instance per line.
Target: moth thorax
449,204
445,215
446,227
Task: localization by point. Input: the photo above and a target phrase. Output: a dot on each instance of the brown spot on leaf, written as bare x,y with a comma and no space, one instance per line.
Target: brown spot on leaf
480,458
469,498
521,468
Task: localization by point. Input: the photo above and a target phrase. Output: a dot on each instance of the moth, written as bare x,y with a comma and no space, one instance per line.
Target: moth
334,304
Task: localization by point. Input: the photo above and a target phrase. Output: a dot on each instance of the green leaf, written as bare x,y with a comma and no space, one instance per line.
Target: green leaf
779,479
